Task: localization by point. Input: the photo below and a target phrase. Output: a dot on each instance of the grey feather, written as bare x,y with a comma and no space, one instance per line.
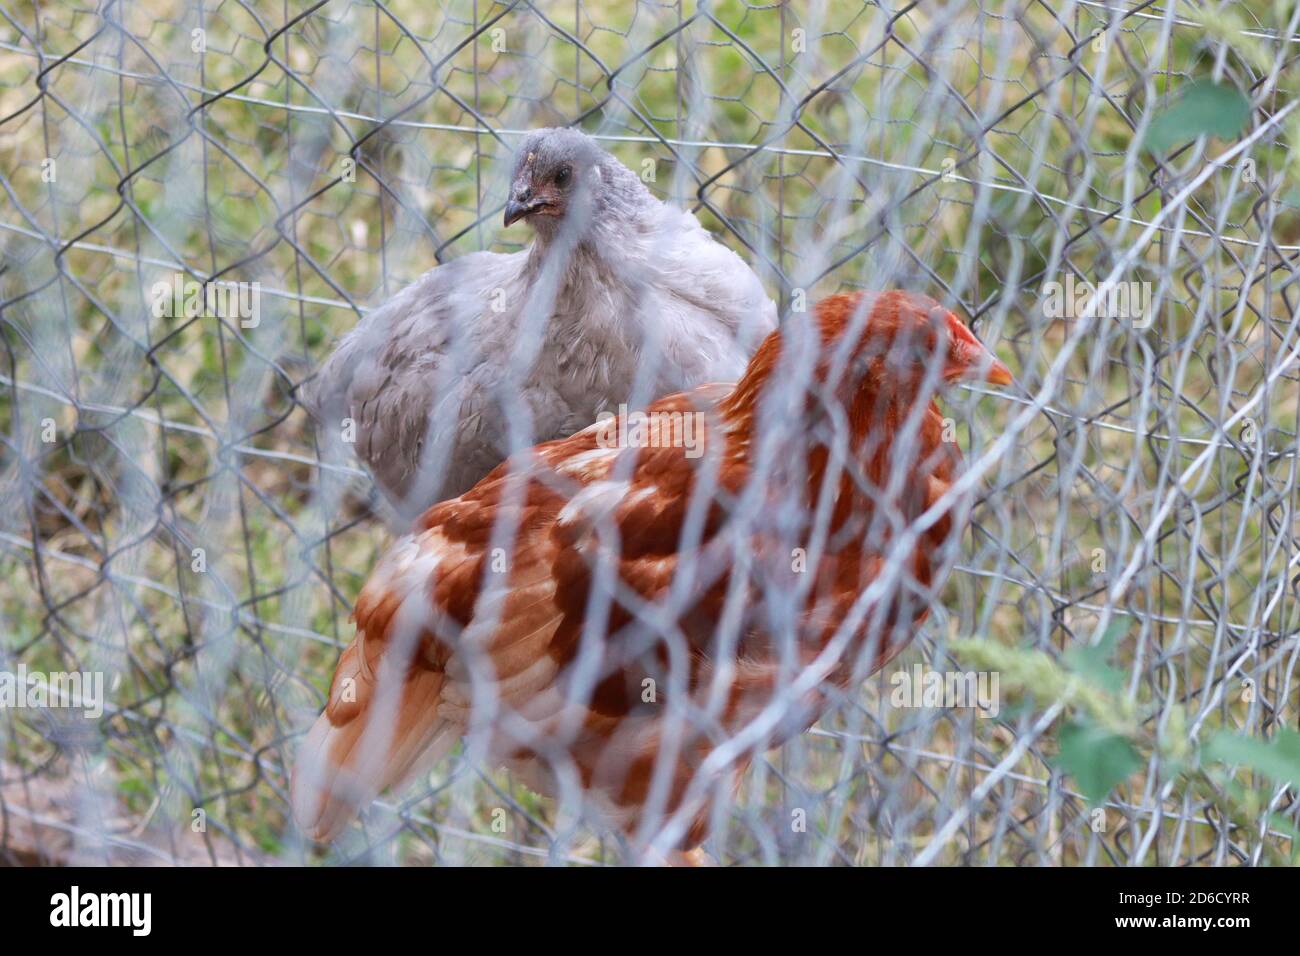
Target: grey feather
490,352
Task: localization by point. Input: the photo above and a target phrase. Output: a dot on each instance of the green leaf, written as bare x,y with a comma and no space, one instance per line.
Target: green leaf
1092,661
1203,108
1278,759
1116,629
1279,822
1096,758
1019,708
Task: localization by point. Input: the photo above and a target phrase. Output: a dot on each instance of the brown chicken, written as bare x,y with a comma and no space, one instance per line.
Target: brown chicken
626,616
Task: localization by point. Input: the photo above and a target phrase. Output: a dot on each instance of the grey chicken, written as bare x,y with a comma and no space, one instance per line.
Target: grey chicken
619,297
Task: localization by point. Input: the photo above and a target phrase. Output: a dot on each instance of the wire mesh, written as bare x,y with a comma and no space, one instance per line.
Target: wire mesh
168,520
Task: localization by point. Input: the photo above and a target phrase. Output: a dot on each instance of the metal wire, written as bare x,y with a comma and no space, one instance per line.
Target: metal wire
333,153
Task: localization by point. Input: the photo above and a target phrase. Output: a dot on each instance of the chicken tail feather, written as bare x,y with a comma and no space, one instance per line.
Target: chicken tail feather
339,769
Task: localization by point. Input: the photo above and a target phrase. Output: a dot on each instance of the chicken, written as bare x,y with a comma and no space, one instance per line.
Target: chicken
632,612
490,353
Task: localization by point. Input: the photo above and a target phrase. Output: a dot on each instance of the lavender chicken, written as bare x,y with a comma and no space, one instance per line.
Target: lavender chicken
619,297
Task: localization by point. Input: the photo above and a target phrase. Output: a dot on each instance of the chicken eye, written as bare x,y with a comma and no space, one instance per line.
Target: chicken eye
562,177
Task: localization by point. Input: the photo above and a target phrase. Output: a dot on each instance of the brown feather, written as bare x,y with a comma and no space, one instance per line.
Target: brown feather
459,614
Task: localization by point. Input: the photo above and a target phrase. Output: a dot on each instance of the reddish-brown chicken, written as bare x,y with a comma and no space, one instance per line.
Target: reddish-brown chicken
627,615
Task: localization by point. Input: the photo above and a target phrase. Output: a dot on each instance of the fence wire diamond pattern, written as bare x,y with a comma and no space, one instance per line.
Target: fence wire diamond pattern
168,517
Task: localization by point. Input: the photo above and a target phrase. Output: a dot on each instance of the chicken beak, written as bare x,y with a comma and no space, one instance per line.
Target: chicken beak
516,210
978,364
997,373
970,360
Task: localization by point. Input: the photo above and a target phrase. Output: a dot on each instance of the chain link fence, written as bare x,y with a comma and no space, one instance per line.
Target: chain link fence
167,521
